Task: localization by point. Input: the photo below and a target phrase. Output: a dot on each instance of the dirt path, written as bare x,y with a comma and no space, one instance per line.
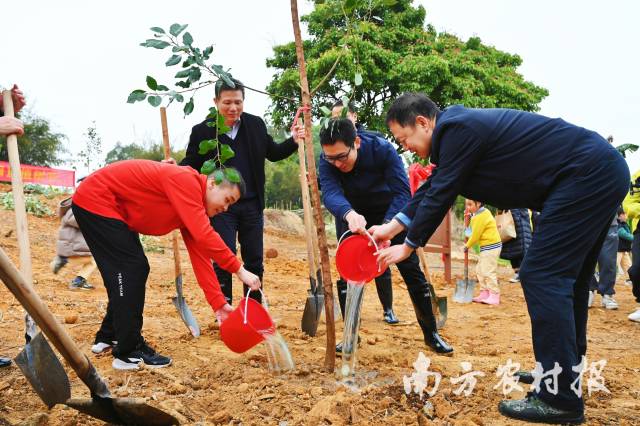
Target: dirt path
208,384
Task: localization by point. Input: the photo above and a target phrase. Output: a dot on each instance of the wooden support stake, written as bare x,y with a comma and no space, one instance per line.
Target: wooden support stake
327,285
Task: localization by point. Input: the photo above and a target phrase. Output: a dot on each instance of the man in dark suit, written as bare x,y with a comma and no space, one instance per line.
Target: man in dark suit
251,144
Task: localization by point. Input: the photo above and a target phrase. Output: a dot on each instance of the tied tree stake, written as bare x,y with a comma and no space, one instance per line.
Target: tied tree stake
330,354
198,71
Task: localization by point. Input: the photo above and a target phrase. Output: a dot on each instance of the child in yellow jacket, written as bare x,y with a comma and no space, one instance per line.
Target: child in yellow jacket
483,231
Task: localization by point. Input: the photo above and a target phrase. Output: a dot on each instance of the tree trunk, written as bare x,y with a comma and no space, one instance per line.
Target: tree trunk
327,286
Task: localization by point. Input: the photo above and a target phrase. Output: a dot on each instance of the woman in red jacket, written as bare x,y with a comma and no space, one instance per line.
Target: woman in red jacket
127,198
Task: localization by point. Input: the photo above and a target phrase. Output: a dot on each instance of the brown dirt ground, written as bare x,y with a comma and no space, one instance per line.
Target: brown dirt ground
208,384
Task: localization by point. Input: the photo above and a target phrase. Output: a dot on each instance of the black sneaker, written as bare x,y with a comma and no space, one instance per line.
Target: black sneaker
5,362
533,409
524,377
142,354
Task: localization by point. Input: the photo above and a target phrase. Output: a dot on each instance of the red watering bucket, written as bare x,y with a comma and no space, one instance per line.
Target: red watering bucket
355,259
247,325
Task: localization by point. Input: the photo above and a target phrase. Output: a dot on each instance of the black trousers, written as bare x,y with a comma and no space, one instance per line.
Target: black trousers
124,268
561,260
409,268
244,222
634,270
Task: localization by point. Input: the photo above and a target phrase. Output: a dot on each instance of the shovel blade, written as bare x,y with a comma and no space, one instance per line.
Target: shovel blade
464,291
438,306
187,316
43,370
183,309
127,411
470,287
311,315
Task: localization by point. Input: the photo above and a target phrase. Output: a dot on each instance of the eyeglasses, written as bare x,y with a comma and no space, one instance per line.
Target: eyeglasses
340,157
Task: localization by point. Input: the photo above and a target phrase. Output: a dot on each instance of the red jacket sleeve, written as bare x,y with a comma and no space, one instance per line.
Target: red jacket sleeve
204,272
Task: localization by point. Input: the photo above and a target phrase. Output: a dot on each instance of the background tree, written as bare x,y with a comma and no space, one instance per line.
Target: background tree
40,146
379,49
93,148
146,150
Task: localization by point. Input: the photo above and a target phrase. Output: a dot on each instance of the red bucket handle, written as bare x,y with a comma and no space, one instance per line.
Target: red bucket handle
246,302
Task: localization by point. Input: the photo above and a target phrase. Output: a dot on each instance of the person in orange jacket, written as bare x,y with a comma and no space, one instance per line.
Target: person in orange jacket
124,199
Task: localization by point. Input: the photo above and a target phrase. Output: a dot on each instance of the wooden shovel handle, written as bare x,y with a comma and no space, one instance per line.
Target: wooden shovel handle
167,155
22,231
306,205
29,299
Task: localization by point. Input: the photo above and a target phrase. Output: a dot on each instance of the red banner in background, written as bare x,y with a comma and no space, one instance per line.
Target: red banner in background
40,175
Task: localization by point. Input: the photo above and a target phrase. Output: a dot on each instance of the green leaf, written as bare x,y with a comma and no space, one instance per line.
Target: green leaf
232,175
212,112
136,95
154,100
627,148
157,30
222,127
152,83
178,97
389,3
157,44
188,107
207,145
325,110
162,88
194,74
208,167
183,73
226,77
176,29
218,175
187,39
207,52
173,60
358,79
217,69
225,153
349,5
183,84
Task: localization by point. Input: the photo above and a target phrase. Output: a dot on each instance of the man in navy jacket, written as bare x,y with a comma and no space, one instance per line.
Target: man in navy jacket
364,183
399,194
515,159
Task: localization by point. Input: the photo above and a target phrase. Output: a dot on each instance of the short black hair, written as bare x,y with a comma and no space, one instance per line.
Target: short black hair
410,105
338,129
222,86
351,107
241,185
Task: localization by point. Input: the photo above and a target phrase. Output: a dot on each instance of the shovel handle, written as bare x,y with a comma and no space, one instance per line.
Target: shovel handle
306,207
18,194
167,155
29,299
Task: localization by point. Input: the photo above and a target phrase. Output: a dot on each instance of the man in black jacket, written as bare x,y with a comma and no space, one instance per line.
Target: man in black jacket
251,144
